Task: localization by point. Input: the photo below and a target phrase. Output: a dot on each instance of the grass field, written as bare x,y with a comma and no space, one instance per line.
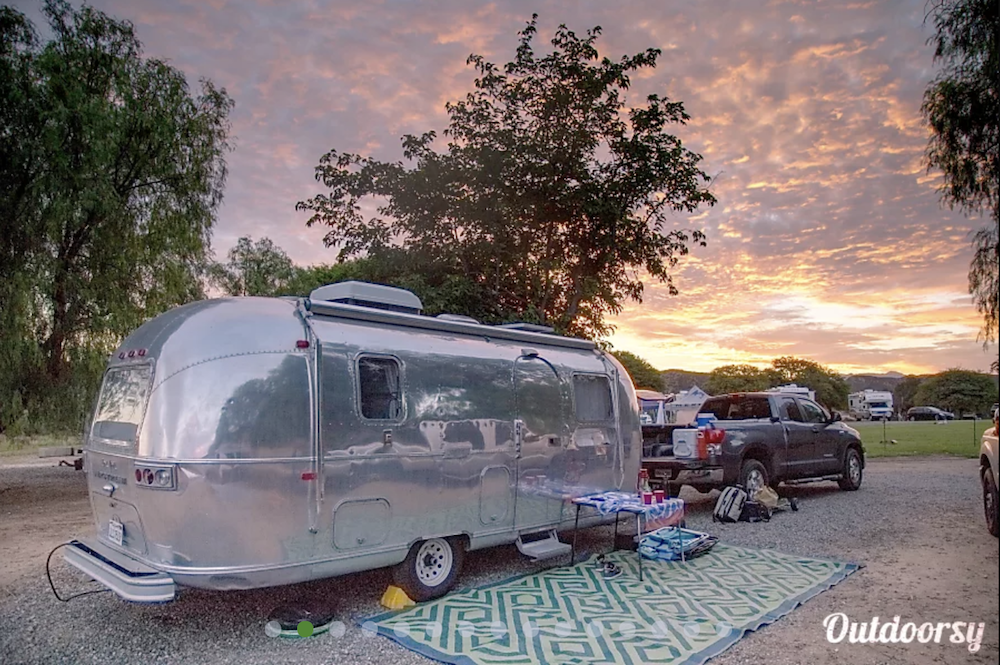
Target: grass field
956,437
29,445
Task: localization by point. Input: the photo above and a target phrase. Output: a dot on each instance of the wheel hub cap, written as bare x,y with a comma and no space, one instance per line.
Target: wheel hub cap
434,561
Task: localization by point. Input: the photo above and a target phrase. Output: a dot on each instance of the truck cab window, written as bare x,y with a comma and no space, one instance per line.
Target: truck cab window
789,410
379,388
812,412
737,408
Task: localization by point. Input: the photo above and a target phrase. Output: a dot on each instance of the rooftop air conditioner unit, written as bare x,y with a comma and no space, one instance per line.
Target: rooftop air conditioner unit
365,294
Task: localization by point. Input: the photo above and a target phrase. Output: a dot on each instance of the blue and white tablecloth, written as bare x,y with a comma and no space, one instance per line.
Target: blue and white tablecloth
627,502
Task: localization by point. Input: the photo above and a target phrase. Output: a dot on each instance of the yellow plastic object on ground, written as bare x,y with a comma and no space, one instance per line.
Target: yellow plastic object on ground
396,599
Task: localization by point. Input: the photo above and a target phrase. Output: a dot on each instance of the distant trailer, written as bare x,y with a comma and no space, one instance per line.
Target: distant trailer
870,404
793,389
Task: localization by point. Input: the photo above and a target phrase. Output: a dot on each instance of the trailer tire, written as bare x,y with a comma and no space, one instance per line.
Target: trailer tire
431,568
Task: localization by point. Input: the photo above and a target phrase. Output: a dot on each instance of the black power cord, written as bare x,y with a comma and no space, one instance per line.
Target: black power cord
48,575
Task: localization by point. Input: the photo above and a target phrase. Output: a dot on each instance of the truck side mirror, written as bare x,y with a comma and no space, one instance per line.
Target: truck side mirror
835,417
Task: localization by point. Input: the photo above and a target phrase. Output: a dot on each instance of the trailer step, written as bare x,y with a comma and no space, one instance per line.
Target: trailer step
547,547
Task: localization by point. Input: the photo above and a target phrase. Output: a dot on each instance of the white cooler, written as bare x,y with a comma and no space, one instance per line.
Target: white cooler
685,443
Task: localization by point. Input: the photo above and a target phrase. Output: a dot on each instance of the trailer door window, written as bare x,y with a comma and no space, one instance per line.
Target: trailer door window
593,398
380,390
123,400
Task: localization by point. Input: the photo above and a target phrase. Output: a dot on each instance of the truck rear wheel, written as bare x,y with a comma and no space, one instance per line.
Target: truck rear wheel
430,569
753,476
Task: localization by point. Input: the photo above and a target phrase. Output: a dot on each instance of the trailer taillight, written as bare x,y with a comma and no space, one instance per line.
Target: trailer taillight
156,476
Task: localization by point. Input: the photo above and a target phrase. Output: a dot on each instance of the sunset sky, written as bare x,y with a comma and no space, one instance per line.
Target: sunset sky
827,242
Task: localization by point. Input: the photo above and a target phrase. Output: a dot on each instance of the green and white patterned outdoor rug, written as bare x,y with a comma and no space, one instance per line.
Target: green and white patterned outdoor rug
681,612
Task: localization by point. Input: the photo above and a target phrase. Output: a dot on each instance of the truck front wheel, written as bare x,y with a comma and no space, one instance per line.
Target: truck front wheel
753,476
852,471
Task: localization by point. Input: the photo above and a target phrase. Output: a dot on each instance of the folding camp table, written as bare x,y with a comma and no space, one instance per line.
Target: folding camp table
624,502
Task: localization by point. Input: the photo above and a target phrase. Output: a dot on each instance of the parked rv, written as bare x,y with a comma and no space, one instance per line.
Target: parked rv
251,442
870,404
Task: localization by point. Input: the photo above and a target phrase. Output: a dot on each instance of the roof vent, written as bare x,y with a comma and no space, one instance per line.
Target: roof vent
458,318
365,294
527,327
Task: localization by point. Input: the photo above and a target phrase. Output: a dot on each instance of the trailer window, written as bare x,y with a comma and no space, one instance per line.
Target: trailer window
593,398
380,390
122,402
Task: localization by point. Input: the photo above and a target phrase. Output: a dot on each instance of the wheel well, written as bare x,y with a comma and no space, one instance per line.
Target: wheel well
761,456
861,452
984,462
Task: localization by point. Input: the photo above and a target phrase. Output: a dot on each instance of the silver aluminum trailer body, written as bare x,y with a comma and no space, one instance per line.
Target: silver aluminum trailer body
250,442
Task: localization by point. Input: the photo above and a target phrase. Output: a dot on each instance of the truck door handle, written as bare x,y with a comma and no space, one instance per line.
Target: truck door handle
815,430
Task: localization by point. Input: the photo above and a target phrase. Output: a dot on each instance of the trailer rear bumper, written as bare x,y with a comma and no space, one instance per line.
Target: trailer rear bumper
129,578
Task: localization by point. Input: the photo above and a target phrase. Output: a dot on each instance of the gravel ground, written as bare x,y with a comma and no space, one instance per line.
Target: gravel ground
916,524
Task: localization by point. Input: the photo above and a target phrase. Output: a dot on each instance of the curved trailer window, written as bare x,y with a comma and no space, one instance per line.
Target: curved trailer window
122,403
381,393
593,398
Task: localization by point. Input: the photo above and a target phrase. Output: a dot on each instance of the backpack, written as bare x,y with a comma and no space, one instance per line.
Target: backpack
729,506
755,511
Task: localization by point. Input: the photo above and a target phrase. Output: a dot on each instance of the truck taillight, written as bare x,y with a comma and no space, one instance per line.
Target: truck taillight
156,476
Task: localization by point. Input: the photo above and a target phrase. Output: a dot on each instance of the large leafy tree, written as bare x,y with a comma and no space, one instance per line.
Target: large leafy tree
904,394
962,106
958,390
111,173
439,290
643,374
253,269
831,388
551,198
740,378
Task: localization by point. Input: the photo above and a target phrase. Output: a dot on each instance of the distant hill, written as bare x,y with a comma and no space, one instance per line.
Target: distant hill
676,380
859,382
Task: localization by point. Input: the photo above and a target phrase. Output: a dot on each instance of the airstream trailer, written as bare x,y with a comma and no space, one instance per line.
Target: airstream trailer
250,442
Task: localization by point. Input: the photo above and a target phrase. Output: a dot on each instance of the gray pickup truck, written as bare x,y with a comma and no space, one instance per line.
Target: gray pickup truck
770,438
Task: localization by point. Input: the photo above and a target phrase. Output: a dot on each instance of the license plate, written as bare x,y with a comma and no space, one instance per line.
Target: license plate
116,531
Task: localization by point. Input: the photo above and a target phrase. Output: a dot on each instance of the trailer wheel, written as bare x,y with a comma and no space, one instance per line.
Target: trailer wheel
431,568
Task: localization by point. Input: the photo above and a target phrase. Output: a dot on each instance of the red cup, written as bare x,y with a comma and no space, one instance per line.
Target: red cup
647,498
658,494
